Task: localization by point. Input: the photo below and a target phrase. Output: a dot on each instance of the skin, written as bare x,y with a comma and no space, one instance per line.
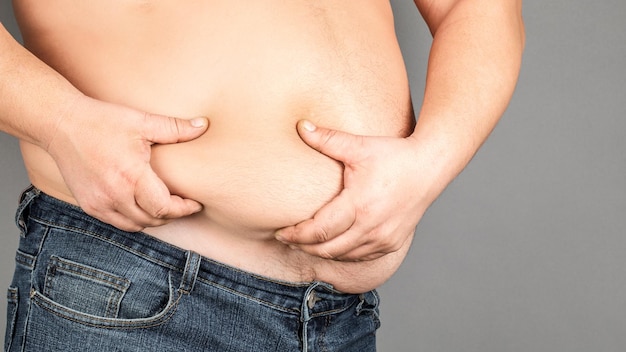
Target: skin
115,184
390,182
358,227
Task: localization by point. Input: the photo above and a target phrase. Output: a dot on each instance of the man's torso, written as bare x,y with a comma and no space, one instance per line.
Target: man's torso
254,69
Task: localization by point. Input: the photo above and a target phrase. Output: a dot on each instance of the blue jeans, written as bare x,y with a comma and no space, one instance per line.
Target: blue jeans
82,285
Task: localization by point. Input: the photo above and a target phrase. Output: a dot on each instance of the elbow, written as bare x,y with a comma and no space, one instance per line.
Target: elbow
439,14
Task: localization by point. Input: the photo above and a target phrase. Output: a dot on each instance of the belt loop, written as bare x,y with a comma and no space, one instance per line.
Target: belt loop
22,212
191,272
368,301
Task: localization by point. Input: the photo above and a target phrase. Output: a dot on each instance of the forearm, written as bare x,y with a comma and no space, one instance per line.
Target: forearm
33,97
473,68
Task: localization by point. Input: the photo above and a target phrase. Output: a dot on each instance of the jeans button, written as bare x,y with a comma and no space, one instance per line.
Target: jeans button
312,299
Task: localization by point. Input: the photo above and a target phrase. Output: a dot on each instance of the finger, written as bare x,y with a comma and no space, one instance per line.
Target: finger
153,197
374,247
166,130
350,246
329,222
130,219
136,224
359,244
341,146
122,214
361,254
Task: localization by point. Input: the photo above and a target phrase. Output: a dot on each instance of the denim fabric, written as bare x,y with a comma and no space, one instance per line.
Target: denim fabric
82,285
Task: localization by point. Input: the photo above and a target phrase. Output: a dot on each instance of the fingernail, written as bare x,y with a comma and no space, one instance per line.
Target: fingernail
282,240
308,125
198,122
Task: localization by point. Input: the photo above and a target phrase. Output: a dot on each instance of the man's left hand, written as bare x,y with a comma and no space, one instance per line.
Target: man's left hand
386,190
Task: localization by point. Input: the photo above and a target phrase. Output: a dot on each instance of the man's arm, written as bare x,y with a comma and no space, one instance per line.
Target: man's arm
390,182
101,149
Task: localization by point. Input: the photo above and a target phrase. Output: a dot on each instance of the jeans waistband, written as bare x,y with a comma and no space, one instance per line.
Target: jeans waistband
285,296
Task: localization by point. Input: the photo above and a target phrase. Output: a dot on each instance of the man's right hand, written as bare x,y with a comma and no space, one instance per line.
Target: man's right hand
103,152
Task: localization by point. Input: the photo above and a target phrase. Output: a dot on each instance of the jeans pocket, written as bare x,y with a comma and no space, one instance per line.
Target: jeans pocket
80,287
12,299
95,297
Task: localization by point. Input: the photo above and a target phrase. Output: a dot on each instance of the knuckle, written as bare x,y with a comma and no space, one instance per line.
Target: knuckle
146,118
124,178
151,124
321,234
93,211
366,209
327,138
161,212
325,254
383,244
176,126
390,244
97,204
169,125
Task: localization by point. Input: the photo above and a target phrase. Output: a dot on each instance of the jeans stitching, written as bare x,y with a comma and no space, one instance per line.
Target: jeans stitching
118,283
105,323
13,299
102,238
252,298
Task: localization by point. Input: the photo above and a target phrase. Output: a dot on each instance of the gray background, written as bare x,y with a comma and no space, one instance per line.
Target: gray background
525,251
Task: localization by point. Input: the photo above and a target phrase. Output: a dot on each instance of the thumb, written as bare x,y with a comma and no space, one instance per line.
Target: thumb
165,130
341,146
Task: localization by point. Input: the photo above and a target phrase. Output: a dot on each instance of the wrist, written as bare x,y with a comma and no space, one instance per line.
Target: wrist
441,156
62,119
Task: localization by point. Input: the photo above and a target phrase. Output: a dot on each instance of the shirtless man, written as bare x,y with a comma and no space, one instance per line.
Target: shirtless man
259,230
